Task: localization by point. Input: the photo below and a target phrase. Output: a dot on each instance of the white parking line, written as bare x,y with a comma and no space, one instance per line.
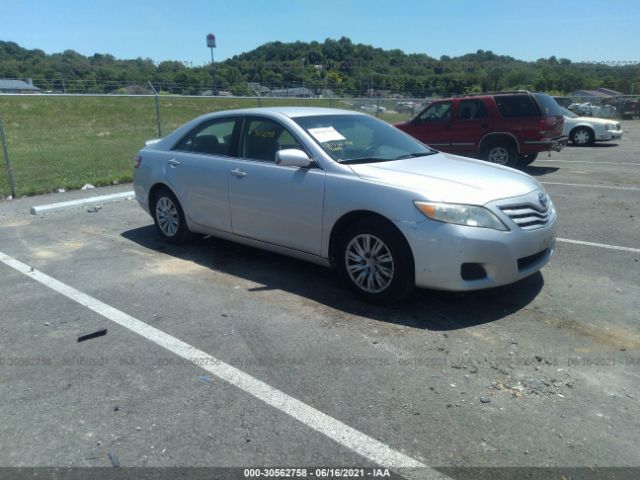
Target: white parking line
588,161
601,245
592,186
337,431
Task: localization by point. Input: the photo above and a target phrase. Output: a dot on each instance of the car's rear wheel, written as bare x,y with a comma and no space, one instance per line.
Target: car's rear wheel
501,154
528,159
582,136
168,217
376,261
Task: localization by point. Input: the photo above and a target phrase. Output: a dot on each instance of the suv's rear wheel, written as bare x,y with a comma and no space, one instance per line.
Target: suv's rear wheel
501,154
582,136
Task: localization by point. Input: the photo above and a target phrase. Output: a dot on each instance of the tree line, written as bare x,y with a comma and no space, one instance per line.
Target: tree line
339,66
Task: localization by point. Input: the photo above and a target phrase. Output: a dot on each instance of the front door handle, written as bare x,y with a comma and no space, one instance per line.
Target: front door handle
238,172
173,163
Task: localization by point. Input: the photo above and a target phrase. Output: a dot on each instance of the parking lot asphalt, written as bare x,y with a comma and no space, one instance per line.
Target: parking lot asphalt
544,372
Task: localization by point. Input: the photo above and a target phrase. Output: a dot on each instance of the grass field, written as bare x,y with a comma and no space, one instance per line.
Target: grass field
67,141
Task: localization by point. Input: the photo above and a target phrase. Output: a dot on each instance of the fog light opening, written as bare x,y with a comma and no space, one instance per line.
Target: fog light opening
472,271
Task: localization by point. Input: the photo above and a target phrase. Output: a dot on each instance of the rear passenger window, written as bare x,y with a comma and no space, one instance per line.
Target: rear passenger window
212,138
471,110
517,106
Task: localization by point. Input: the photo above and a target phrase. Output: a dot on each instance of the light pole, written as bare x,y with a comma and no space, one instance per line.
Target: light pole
211,43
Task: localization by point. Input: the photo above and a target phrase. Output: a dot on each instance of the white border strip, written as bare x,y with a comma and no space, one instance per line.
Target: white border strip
588,161
114,197
601,245
337,431
592,186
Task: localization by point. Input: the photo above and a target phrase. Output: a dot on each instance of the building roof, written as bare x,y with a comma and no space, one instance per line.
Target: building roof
598,93
291,92
6,84
610,92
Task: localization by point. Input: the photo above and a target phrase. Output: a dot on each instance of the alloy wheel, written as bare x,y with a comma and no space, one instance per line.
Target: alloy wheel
167,215
498,155
369,263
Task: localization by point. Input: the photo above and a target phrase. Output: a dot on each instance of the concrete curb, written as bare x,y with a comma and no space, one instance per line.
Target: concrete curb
114,197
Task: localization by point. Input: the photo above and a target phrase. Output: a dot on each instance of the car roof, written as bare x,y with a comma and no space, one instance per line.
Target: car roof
291,112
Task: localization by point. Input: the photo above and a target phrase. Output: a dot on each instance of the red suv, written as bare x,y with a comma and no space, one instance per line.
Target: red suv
505,128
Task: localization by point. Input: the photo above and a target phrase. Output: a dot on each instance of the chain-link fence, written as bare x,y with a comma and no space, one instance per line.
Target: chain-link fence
66,141
626,107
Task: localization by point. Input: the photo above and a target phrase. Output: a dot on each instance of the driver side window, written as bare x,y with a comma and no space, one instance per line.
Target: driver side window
262,138
436,113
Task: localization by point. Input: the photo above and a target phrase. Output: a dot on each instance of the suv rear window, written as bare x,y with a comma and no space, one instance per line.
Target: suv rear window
517,106
548,106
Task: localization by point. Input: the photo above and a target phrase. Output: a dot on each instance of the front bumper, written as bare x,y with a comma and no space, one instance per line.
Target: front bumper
440,250
609,135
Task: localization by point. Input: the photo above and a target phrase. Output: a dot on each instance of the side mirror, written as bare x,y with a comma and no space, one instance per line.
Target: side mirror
292,157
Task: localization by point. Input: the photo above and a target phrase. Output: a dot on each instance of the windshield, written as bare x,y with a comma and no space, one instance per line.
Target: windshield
569,113
361,139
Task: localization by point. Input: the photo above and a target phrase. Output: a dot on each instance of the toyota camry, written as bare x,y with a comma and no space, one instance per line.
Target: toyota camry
346,190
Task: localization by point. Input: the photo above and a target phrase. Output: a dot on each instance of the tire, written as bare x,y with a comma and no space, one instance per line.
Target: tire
528,159
376,261
582,136
501,154
168,217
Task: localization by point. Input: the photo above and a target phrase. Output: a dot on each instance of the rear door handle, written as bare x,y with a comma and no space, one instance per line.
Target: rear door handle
238,172
173,163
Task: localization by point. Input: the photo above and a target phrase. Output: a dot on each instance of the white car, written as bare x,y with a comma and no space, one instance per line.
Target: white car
587,130
373,108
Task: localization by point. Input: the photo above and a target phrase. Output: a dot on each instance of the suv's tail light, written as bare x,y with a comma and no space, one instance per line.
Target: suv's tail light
542,127
136,161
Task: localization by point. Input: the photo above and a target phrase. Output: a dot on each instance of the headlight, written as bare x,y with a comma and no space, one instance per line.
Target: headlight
610,126
469,215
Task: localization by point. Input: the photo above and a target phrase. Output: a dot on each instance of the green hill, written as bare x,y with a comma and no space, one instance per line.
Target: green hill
339,65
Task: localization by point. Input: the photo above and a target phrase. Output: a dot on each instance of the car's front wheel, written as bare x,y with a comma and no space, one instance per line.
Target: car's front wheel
376,261
168,217
582,136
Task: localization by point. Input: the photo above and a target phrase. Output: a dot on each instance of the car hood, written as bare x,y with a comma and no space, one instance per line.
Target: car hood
592,120
449,178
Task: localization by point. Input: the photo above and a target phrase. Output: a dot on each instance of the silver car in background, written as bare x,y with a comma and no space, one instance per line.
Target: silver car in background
344,189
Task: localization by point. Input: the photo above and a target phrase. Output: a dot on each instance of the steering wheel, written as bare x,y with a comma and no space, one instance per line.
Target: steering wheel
369,151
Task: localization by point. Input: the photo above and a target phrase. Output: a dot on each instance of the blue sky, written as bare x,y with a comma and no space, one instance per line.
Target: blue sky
584,30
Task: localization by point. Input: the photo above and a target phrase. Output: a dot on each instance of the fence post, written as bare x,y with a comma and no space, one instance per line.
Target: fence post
5,150
378,107
157,108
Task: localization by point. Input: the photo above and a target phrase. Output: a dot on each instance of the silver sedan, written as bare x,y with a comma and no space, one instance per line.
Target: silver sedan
346,190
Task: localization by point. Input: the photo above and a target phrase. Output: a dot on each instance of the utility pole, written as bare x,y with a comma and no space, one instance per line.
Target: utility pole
211,43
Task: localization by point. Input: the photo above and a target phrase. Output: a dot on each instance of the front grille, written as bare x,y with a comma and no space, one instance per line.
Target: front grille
527,215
